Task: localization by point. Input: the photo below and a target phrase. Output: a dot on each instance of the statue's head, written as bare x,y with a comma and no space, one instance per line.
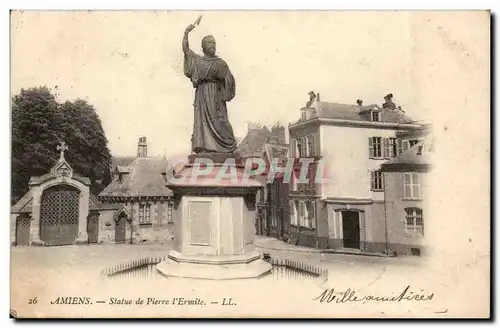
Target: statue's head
208,45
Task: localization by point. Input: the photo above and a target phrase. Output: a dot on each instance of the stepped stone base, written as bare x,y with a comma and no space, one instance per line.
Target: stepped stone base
214,267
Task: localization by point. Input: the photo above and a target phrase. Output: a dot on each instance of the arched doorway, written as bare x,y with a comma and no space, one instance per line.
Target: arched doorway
351,229
59,215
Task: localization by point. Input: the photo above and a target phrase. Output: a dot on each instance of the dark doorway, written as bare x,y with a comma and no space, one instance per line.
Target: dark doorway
93,228
23,231
350,223
120,229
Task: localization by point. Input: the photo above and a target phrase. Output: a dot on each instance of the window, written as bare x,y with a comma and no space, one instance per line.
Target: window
392,150
375,116
420,150
413,143
299,147
293,211
414,221
304,146
304,151
169,211
377,181
310,221
375,147
144,214
311,145
292,147
400,145
293,181
302,186
411,186
302,213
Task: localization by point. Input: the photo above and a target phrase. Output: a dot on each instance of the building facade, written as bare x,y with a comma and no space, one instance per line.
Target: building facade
57,210
343,208
144,204
272,199
272,203
405,182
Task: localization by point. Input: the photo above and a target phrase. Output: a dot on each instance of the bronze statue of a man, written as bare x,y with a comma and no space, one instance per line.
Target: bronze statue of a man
215,85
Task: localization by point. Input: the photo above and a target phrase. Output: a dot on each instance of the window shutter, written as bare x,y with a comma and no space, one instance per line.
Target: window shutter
416,185
372,178
313,145
386,151
304,147
313,214
399,141
370,147
406,185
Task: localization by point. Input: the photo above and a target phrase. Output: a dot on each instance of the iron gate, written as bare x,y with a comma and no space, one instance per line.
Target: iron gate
23,231
59,215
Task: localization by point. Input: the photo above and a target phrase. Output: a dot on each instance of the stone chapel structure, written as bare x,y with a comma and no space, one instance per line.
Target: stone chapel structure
57,210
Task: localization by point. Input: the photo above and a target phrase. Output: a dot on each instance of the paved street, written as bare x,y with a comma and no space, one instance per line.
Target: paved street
97,257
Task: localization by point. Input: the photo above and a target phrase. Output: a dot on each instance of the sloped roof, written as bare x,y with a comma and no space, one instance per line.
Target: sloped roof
419,154
253,142
145,179
23,205
121,161
356,113
52,175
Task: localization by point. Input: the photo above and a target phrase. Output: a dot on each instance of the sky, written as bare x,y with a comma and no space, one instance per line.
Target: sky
129,65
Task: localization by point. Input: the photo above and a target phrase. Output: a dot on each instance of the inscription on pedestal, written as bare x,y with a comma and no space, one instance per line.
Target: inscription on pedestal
200,217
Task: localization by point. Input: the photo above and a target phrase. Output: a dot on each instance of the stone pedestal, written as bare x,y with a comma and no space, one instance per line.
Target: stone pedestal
214,222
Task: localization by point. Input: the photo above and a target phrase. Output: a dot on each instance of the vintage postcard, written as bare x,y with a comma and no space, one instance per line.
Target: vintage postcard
250,164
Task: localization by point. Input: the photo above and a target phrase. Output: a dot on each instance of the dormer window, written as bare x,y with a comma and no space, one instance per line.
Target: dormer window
375,116
120,171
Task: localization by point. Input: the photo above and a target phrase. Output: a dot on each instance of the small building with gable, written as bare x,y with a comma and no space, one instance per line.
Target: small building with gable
57,210
144,203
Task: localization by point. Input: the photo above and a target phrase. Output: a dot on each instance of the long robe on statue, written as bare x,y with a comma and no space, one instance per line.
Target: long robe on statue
215,85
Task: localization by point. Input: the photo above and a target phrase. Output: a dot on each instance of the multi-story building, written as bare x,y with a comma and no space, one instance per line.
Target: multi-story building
405,182
273,217
272,199
343,207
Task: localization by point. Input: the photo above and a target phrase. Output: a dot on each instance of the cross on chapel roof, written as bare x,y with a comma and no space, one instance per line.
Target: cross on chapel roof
62,147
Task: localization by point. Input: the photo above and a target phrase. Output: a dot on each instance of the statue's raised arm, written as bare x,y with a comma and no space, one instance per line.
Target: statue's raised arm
185,39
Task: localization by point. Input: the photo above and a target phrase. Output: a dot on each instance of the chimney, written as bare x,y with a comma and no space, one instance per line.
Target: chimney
388,102
252,126
142,147
318,99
